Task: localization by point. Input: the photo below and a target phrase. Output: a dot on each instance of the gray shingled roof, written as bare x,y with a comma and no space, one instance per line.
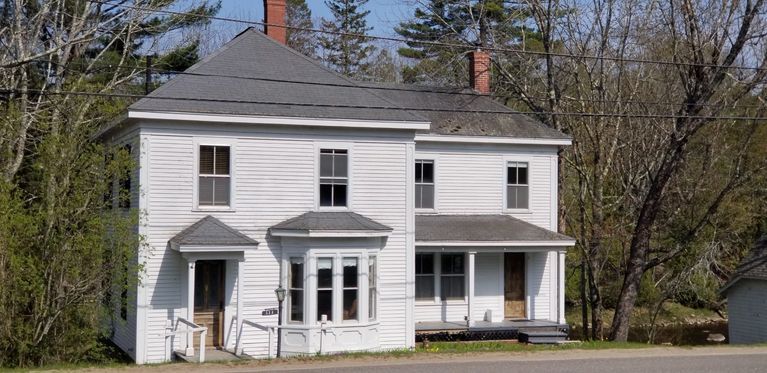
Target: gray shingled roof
211,231
251,54
484,228
753,266
433,99
330,221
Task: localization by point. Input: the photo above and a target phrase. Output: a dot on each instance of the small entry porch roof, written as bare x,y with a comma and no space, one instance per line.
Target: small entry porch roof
210,235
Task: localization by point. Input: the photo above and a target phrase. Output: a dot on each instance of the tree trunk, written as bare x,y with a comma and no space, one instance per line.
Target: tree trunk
584,301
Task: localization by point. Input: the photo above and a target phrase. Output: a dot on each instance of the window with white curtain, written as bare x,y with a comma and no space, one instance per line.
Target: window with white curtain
325,288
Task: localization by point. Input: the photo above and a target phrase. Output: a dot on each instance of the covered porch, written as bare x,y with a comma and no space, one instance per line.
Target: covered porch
479,276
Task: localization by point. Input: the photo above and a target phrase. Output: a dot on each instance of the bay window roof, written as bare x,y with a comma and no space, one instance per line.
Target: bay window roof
330,224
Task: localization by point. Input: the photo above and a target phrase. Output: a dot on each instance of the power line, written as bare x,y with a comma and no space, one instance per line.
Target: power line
364,85
436,43
501,112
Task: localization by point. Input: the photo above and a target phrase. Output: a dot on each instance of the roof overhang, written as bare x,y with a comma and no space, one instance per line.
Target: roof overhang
491,140
212,248
498,244
328,233
291,121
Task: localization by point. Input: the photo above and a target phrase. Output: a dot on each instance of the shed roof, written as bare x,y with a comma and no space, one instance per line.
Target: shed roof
210,231
753,266
481,228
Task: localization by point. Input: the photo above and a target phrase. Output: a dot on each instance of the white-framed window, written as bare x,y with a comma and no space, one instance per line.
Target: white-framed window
452,278
334,178
214,184
351,292
296,290
372,287
424,276
424,184
325,288
517,186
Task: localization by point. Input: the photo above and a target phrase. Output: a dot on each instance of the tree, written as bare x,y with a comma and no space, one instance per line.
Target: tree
299,16
344,50
68,242
383,68
441,30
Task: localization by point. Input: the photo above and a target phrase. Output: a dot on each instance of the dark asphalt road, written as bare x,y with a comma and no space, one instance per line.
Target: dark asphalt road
718,363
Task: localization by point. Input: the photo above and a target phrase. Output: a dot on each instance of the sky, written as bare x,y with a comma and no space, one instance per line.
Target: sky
384,14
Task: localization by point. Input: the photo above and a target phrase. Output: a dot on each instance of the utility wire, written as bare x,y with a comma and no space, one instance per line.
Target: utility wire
414,88
434,43
501,112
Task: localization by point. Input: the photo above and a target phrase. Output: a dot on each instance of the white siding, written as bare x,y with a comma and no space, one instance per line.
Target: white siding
747,311
538,284
274,178
488,286
471,179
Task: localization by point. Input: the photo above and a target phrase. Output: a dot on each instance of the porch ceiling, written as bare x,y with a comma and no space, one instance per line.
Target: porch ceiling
484,230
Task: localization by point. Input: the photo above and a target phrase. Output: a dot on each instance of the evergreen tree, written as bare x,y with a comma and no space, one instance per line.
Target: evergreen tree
299,15
347,54
465,23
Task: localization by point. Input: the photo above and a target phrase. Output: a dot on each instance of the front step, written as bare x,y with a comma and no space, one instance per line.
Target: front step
542,337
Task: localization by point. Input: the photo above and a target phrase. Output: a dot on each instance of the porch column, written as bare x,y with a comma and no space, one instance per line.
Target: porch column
561,287
240,297
190,306
469,320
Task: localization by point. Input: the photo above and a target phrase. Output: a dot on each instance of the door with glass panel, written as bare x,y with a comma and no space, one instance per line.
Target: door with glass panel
209,300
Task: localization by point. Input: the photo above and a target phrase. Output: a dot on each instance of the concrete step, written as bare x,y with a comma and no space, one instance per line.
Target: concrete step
542,337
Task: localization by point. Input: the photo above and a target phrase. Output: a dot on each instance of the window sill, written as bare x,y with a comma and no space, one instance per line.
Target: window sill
518,211
333,208
426,211
213,209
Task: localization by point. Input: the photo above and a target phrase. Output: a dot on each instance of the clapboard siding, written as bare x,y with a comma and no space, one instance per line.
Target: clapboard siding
274,179
747,311
538,273
488,286
471,179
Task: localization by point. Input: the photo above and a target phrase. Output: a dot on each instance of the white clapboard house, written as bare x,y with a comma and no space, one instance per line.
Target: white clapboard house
383,211
746,293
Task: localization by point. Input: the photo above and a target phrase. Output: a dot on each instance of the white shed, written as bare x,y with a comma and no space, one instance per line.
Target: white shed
747,297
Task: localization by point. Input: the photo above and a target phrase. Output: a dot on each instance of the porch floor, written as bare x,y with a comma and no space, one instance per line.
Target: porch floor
430,326
484,330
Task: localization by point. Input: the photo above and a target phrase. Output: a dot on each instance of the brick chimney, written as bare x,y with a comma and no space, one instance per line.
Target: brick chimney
479,70
274,15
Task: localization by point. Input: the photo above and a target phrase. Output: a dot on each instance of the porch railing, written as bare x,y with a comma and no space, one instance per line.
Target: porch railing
191,328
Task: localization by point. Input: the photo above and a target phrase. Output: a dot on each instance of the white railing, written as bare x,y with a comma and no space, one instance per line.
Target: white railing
191,328
272,329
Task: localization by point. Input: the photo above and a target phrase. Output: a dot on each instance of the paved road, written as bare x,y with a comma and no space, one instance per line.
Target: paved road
720,360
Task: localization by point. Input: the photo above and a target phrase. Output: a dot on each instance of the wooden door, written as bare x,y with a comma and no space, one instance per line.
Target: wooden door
209,300
514,285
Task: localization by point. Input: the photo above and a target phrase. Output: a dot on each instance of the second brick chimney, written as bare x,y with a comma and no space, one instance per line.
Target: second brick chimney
479,71
274,17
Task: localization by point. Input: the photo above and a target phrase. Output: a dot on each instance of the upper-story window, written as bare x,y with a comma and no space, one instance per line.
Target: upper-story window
215,178
517,187
424,184
334,177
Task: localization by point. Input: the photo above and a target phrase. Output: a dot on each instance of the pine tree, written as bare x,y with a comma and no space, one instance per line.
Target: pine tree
347,54
488,23
299,15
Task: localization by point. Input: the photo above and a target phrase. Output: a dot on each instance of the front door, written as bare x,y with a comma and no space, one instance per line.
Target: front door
514,285
209,300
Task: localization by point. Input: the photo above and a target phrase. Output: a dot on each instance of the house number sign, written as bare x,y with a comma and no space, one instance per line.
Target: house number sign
269,311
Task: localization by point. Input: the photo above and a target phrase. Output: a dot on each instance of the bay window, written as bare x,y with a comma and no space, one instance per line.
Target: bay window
296,290
325,288
372,287
350,289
